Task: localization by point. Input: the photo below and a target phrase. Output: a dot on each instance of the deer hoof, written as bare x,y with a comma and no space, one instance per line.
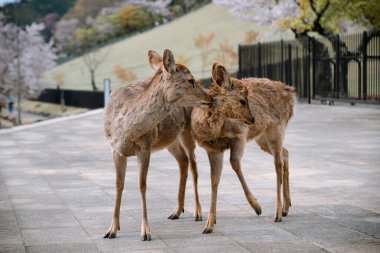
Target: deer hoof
146,237
198,218
110,235
258,211
173,216
284,213
278,219
207,231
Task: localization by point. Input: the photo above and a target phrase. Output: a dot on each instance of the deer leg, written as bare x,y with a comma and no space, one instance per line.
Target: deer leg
285,190
278,162
237,148
216,164
189,146
144,157
183,164
120,163
194,172
273,147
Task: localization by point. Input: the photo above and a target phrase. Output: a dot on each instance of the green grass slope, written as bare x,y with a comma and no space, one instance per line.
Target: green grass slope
131,53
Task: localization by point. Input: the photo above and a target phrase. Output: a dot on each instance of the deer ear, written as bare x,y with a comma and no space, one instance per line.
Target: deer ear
213,71
155,60
220,75
169,62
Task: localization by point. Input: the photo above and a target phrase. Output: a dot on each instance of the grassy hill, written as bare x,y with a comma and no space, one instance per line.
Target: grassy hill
131,53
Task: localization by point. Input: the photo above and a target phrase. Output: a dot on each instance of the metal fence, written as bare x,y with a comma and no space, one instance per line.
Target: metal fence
77,98
343,67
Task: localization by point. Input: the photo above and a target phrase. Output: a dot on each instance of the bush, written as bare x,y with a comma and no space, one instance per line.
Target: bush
133,18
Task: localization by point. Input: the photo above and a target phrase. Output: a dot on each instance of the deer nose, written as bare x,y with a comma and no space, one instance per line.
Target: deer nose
252,120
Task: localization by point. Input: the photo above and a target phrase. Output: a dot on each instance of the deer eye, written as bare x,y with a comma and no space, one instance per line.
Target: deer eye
242,102
192,82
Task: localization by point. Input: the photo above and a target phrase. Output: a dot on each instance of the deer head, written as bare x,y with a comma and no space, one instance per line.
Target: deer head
230,95
180,86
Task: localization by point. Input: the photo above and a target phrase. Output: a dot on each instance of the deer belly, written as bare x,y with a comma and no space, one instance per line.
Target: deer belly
164,140
216,145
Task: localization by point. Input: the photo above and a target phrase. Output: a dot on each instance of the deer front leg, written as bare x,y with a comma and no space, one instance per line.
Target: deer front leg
183,164
237,148
144,157
285,188
120,163
278,162
216,164
194,172
188,143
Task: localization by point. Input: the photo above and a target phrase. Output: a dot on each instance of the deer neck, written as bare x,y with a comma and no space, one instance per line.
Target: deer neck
207,126
146,111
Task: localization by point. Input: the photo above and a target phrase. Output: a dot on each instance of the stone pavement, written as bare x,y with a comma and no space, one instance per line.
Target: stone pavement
57,191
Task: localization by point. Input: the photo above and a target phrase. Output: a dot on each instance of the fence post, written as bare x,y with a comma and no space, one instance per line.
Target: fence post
107,90
365,44
314,60
239,75
282,61
290,63
259,60
337,66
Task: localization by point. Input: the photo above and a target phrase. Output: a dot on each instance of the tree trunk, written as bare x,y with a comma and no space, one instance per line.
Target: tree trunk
94,88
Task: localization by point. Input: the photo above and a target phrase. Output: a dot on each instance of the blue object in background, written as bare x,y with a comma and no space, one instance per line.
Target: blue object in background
10,104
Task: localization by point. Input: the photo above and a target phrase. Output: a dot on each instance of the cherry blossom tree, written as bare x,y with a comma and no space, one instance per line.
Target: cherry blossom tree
324,17
63,32
24,57
262,12
158,7
304,17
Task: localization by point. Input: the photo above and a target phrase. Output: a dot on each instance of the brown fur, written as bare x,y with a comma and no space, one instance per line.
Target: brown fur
148,116
270,106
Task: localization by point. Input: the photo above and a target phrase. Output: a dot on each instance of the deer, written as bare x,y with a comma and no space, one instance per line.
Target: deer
148,116
254,109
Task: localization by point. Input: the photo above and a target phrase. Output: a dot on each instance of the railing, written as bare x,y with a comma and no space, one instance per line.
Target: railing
340,67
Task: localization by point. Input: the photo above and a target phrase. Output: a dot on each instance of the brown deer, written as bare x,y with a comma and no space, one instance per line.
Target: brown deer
269,106
136,123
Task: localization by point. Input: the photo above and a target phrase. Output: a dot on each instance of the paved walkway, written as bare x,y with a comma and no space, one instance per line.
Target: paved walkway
57,191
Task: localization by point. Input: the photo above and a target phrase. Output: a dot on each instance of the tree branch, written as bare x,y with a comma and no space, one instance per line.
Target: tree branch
311,2
324,9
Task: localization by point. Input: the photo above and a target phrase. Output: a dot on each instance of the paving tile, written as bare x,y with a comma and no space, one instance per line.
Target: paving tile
283,246
353,217
36,201
49,218
58,248
125,242
206,249
47,236
12,248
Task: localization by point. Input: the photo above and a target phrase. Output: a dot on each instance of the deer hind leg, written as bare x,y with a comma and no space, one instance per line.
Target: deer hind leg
285,190
273,147
144,157
183,163
120,163
189,146
216,164
237,148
